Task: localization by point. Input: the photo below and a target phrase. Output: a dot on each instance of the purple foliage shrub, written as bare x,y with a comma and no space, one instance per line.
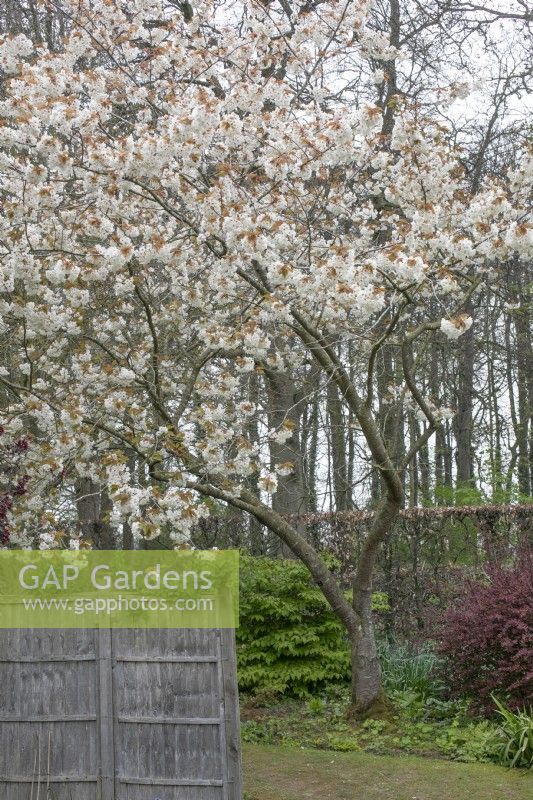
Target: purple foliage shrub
486,638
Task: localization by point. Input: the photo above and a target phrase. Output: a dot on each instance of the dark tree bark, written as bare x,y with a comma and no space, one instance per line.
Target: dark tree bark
463,420
93,506
341,487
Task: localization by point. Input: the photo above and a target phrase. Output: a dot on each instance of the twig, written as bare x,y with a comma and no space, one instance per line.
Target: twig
48,763
33,774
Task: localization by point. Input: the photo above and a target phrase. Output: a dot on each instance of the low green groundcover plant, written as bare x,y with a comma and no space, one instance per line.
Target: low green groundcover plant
430,726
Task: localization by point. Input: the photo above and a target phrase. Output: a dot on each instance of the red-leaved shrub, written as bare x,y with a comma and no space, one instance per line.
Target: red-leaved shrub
487,638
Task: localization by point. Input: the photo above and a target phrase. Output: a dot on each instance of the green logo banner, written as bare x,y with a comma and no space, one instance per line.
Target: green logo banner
119,588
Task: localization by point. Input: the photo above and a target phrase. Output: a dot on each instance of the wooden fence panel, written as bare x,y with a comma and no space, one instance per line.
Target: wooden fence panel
48,715
119,715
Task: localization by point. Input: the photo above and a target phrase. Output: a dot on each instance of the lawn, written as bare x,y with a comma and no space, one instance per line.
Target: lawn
285,773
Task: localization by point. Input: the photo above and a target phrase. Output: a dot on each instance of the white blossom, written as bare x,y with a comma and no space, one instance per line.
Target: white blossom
268,482
453,328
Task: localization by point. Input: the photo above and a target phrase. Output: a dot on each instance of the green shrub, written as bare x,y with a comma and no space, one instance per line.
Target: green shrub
516,731
288,641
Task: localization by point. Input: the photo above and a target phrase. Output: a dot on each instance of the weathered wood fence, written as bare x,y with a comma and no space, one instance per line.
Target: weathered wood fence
118,715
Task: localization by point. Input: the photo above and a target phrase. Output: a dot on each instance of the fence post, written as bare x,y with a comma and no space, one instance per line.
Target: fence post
106,721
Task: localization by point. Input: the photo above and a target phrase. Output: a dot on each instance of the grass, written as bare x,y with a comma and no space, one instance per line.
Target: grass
285,773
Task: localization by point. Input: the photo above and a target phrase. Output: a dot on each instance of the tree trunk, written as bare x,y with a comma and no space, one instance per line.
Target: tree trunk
463,420
256,534
127,537
368,697
341,488
285,406
310,437
524,366
93,504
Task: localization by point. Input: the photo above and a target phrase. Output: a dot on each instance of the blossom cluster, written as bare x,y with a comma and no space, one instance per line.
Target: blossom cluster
173,200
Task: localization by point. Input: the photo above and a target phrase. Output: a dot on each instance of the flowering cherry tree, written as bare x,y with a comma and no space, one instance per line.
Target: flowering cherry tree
191,194
13,480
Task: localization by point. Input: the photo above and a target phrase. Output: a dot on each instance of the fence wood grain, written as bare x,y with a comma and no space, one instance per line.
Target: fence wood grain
127,714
